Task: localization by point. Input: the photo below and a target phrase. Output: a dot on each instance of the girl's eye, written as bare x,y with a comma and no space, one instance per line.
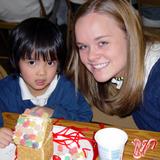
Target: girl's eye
31,62
51,63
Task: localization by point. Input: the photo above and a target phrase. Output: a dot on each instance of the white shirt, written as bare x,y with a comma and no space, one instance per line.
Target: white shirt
78,1
18,10
151,23
151,57
39,100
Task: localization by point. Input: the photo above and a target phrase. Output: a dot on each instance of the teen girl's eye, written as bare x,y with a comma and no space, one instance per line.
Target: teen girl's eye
82,48
103,43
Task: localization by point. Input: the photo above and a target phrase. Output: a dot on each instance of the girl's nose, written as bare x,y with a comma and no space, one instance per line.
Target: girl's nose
41,70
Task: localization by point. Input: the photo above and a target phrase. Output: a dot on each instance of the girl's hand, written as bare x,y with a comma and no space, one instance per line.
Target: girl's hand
5,137
40,111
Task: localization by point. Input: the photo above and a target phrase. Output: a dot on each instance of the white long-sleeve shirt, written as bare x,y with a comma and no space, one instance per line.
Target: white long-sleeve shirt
18,10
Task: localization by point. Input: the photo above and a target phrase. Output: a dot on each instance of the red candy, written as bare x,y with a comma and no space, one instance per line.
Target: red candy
26,123
55,157
73,150
32,136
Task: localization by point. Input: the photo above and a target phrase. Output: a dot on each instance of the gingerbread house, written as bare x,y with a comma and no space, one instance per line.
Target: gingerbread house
33,137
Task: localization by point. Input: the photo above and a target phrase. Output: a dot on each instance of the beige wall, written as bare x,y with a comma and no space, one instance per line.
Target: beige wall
127,122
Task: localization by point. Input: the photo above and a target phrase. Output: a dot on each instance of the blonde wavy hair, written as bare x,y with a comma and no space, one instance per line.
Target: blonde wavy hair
104,95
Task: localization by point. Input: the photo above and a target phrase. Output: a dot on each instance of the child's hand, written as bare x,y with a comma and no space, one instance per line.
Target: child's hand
5,137
40,111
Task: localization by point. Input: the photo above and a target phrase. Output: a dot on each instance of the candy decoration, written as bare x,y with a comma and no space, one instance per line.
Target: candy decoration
70,141
55,157
30,130
33,137
60,148
73,150
69,138
141,147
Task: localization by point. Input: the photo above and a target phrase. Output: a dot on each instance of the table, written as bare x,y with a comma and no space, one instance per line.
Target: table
10,121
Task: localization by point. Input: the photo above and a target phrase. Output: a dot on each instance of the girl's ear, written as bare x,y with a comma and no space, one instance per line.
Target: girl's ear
14,65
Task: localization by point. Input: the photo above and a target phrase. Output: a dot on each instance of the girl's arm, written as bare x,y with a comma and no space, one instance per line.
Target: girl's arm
5,137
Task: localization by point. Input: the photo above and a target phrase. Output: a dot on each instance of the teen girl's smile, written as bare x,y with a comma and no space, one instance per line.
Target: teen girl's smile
102,45
99,66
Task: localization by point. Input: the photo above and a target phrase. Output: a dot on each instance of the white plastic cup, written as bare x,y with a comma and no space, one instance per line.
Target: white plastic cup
111,143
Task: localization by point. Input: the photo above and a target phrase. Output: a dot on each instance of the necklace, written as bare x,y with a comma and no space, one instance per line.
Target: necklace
118,81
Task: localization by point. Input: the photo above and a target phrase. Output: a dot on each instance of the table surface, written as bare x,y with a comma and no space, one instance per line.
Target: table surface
11,118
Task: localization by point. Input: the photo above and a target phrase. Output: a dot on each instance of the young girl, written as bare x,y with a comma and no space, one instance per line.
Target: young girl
39,85
115,64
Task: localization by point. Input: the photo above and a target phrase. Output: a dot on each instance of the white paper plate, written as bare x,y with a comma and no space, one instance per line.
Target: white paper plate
83,143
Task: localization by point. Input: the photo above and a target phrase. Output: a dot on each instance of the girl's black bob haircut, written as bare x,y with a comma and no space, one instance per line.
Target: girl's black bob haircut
38,36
